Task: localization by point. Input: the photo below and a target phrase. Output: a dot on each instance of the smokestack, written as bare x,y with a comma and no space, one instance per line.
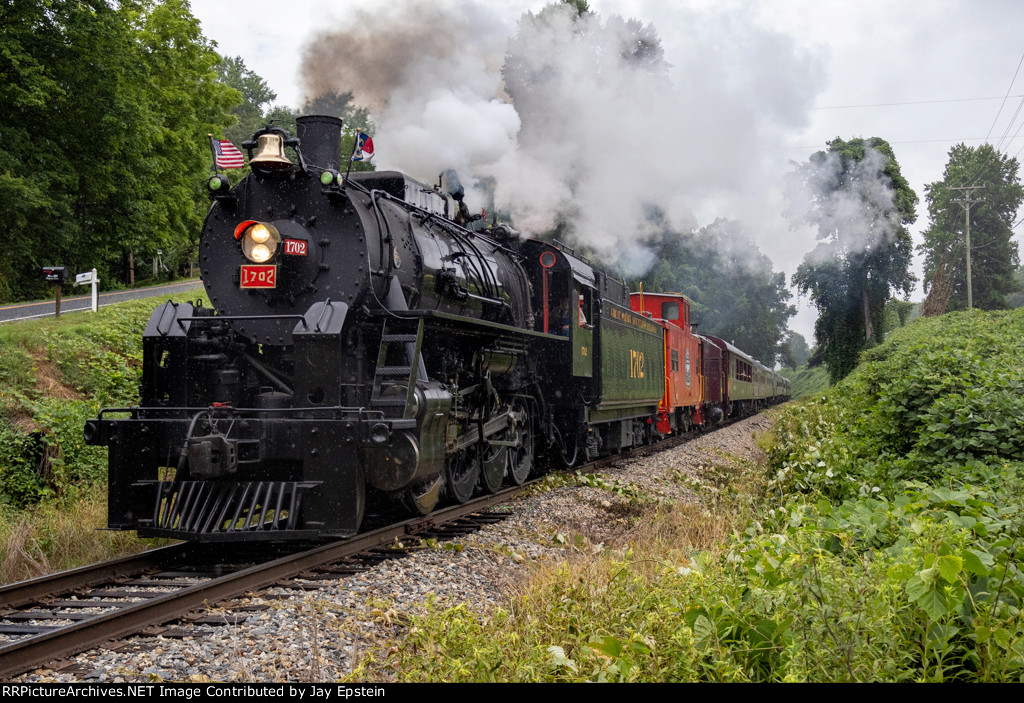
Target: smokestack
320,140
451,184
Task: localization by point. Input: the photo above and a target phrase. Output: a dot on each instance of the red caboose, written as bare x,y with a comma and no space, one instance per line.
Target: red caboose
686,387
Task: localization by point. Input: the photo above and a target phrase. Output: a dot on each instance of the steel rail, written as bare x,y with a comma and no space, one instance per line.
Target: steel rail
24,654
33,590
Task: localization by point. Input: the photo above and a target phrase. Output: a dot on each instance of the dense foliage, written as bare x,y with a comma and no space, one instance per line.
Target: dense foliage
794,350
912,472
885,546
1016,299
940,398
860,205
54,375
106,111
996,194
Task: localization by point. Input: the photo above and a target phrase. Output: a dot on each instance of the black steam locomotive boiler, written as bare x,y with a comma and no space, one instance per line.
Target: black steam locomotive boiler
360,339
361,342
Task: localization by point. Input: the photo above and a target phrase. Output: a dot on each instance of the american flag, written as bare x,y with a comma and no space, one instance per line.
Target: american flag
226,154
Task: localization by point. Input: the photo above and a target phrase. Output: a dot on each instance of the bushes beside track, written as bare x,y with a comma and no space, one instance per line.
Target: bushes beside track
905,482
884,543
55,374
940,400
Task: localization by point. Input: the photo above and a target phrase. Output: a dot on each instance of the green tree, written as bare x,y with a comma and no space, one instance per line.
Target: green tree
186,102
106,113
898,313
1016,299
860,204
77,140
27,89
795,347
582,7
993,255
254,94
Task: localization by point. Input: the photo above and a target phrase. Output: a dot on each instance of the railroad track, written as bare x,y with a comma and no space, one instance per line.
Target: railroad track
56,616
53,617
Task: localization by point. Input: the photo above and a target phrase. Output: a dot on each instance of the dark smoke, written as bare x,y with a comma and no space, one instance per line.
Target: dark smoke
375,52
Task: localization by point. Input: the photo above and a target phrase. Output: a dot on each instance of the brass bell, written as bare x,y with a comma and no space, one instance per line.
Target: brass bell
270,153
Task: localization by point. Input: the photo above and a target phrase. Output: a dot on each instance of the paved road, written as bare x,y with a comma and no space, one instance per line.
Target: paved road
22,311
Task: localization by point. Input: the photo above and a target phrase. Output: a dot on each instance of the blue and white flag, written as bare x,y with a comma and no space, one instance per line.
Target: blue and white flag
364,147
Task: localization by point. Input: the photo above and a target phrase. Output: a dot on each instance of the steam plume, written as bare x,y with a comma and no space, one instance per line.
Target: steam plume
590,129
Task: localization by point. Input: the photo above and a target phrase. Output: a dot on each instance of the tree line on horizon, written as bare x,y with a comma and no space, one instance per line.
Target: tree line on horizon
105,154
104,151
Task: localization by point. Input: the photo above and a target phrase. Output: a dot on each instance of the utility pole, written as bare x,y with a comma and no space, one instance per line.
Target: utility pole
967,200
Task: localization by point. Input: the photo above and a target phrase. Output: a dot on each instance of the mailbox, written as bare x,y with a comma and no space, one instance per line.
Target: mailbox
55,274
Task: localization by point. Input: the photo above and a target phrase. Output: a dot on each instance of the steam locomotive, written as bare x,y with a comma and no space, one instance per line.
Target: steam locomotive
370,341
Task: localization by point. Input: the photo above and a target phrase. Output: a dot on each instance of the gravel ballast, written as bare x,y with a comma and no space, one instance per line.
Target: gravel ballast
320,635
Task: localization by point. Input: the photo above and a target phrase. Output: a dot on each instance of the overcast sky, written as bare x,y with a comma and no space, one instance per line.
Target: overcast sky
816,69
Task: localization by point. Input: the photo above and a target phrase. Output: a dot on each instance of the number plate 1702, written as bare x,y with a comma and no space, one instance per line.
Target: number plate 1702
258,276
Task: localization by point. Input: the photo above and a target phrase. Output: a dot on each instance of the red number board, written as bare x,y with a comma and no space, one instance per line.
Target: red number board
295,247
258,276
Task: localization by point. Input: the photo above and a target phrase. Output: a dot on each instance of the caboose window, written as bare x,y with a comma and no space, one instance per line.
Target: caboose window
675,360
670,311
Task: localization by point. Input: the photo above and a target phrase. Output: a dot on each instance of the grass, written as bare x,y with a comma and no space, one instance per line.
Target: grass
605,613
54,374
61,534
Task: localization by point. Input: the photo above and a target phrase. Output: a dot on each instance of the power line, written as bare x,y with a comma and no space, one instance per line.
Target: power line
1008,89
1009,126
911,102
972,180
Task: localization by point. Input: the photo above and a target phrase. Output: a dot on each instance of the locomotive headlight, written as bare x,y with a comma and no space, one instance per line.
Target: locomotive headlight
260,242
260,253
259,233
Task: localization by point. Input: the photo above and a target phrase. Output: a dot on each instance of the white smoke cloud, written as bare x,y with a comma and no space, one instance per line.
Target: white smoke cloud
596,136
852,206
